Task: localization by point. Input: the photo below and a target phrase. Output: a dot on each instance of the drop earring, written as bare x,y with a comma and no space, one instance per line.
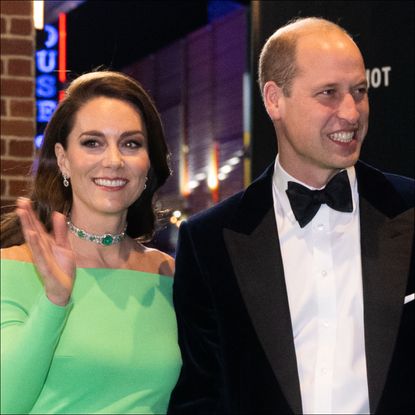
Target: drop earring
145,184
65,180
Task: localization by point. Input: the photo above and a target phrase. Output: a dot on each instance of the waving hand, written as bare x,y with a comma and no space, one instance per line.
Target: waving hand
52,253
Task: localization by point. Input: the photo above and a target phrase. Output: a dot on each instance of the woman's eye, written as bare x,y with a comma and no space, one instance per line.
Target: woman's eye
90,143
132,144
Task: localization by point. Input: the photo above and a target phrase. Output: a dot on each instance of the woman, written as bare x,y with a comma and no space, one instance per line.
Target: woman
87,319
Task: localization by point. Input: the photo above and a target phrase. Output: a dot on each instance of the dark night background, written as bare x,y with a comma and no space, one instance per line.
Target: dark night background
117,33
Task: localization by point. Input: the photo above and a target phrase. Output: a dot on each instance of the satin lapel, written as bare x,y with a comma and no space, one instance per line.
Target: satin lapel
386,252
257,263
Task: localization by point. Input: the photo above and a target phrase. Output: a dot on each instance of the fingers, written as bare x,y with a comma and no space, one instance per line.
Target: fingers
32,231
32,226
21,211
60,229
31,221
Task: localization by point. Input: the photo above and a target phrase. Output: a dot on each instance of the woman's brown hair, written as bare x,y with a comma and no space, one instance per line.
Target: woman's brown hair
49,194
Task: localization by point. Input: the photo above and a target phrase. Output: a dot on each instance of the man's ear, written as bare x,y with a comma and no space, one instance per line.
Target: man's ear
273,97
62,160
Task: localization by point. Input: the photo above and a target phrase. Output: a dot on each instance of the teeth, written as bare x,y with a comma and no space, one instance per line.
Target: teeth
343,137
110,183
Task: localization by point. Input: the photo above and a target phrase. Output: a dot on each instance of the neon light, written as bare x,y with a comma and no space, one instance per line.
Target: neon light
52,36
62,48
45,109
46,60
61,95
46,79
46,86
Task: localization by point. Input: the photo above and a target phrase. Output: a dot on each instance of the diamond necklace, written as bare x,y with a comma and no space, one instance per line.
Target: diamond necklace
107,239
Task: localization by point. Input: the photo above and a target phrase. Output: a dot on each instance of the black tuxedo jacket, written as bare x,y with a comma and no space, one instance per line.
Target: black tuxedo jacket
232,309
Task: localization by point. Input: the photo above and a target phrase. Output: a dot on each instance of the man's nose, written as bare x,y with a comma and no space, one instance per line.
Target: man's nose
348,109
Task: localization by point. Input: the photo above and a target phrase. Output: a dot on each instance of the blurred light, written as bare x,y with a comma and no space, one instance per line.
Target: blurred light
200,176
247,115
234,161
184,171
38,14
38,140
222,176
225,169
173,220
177,213
193,184
61,95
212,180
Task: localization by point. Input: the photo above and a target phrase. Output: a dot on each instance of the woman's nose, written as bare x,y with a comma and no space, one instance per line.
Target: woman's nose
113,158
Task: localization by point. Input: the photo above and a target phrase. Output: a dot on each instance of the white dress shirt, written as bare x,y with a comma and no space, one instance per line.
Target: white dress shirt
323,275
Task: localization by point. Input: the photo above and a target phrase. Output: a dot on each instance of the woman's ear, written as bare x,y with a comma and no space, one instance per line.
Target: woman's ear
62,160
273,97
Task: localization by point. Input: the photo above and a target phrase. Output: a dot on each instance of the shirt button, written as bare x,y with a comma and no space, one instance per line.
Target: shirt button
324,273
320,226
326,323
324,371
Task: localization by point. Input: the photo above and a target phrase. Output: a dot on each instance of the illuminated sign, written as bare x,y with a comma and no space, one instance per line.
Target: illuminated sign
46,78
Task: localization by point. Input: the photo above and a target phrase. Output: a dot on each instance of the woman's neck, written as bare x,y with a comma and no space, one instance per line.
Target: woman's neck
91,255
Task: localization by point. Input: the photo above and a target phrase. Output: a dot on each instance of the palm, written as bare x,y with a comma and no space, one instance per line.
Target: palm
52,253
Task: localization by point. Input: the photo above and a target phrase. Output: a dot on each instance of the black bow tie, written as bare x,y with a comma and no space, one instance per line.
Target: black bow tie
305,203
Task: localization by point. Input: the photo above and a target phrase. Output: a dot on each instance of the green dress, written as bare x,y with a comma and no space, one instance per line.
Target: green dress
113,349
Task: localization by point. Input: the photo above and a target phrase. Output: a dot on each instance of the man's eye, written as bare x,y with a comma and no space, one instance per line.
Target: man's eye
328,92
361,91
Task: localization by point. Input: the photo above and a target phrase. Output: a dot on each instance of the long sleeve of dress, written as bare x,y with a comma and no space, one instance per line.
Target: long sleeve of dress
31,326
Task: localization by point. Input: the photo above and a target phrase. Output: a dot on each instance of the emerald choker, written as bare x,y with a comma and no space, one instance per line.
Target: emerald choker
107,239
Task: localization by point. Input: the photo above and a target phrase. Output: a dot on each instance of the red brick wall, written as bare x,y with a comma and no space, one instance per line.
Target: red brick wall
17,98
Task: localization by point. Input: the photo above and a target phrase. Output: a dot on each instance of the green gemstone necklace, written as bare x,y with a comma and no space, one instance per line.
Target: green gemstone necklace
107,239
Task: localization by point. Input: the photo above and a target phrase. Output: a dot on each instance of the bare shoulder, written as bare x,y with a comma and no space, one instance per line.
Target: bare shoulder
17,253
157,262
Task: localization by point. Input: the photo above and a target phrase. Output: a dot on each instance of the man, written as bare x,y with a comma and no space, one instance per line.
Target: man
292,301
